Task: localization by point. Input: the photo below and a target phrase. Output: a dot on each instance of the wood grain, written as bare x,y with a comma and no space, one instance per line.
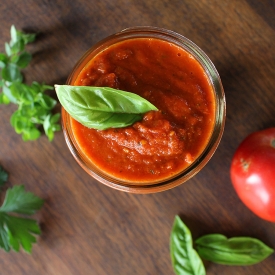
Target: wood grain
91,229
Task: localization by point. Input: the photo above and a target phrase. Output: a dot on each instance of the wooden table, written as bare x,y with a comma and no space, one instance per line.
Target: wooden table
88,228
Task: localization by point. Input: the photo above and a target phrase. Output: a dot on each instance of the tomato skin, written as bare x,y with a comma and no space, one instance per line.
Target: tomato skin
253,173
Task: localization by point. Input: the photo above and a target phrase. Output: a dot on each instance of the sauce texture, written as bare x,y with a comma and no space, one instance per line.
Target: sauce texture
164,142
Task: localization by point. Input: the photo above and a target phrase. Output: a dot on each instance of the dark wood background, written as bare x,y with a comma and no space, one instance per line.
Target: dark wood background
89,228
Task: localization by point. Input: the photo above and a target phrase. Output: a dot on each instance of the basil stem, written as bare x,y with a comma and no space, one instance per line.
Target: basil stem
185,259
101,107
219,249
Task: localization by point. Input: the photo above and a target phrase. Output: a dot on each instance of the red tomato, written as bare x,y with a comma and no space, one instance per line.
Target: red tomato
253,173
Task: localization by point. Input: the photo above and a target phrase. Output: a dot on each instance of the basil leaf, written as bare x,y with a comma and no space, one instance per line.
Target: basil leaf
50,127
7,92
102,107
185,259
24,59
13,33
4,99
28,37
55,118
11,73
19,122
8,49
40,88
21,92
219,249
17,47
46,101
31,133
3,60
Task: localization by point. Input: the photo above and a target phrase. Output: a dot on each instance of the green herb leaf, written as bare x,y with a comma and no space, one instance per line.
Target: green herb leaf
219,249
4,240
7,92
11,73
185,259
102,107
17,47
19,201
34,106
4,99
3,176
3,60
13,33
50,125
8,49
31,133
46,101
14,230
24,59
28,37
20,232
19,122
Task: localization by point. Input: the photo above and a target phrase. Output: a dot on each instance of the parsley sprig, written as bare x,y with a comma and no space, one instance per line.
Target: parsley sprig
34,106
17,230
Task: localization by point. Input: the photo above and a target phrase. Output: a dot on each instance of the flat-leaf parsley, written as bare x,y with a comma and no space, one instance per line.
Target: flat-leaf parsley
17,230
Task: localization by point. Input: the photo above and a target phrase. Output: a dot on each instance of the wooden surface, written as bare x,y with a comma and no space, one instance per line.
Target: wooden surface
91,229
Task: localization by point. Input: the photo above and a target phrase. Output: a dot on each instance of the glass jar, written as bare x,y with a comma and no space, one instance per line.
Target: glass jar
204,157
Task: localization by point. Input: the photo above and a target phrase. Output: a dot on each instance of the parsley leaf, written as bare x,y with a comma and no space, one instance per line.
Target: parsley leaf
34,106
16,230
19,201
20,232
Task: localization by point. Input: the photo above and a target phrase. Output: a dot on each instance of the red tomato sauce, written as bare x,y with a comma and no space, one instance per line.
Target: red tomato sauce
164,142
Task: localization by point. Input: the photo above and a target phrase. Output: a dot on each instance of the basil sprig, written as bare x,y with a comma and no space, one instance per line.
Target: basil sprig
102,107
216,248
219,249
34,106
185,259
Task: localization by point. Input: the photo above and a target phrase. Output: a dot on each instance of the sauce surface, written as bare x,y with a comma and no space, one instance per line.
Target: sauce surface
164,142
